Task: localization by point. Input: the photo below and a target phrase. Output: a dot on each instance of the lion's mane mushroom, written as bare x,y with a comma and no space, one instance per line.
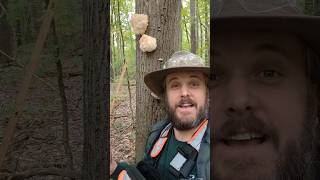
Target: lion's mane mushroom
147,43
139,23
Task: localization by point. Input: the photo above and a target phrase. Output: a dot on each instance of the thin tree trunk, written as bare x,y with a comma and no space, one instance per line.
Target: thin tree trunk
6,34
309,7
206,34
124,60
200,30
64,103
317,7
193,27
186,29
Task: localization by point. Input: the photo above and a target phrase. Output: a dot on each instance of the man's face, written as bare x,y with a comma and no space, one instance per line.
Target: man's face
259,104
186,98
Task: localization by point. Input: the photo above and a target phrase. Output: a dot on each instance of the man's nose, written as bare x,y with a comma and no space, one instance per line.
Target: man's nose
239,97
184,91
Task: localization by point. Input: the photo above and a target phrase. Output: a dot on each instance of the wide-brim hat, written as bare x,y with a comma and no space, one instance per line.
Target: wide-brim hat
265,15
181,61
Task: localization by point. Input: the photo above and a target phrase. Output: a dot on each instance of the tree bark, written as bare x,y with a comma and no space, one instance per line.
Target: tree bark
317,7
164,25
6,34
206,32
184,21
64,103
193,27
96,90
308,5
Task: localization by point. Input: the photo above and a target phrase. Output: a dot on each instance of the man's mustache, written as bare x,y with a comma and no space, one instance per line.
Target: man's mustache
250,123
186,100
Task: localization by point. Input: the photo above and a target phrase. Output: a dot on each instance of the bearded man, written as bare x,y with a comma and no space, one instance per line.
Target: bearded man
178,147
265,91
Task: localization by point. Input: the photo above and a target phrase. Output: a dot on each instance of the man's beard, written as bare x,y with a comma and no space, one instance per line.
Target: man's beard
299,159
299,162
186,125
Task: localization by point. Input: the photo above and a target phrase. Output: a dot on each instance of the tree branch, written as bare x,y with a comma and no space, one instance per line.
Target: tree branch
3,10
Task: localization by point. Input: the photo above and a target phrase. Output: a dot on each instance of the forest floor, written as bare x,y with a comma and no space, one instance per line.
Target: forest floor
122,123
38,141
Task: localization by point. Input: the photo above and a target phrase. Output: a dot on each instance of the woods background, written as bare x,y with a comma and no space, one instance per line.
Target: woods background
54,81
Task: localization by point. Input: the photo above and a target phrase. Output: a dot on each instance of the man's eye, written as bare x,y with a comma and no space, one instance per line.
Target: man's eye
269,75
214,77
194,84
174,85
215,80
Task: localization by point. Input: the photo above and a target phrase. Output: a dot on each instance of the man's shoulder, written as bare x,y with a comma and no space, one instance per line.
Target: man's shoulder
159,125
154,134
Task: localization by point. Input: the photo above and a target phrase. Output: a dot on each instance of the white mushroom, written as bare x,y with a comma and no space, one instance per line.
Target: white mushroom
139,23
147,43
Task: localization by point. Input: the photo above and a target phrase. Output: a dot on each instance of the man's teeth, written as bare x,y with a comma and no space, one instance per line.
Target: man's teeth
185,105
245,136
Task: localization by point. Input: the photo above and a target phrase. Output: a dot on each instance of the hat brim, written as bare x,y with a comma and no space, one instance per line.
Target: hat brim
154,80
306,27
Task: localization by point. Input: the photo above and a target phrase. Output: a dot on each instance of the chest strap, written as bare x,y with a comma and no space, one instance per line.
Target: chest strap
195,140
123,175
161,141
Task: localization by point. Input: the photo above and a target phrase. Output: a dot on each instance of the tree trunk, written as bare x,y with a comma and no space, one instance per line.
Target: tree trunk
36,11
207,38
6,34
96,90
317,7
193,27
184,21
200,30
164,25
308,7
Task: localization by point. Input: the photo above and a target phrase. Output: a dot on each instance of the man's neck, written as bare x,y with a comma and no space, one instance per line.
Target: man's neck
184,135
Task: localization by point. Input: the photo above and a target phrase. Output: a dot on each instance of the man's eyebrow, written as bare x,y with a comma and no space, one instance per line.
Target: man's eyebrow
270,47
195,76
171,79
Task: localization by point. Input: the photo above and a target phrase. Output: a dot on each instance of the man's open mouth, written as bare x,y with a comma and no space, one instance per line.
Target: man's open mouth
244,138
186,105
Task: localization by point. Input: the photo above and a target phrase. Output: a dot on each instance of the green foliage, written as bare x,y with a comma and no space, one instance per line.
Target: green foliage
120,31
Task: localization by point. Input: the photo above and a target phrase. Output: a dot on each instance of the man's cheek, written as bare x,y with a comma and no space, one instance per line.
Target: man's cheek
288,126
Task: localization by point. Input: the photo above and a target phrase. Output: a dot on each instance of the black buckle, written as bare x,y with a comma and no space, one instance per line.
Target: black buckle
190,153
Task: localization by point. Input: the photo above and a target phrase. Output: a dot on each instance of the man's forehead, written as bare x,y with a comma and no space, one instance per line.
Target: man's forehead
237,44
184,75
254,39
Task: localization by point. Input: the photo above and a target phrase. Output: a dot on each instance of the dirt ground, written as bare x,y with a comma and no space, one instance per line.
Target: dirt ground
122,124
38,136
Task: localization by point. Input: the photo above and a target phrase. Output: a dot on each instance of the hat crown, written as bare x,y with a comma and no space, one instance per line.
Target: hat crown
256,7
183,59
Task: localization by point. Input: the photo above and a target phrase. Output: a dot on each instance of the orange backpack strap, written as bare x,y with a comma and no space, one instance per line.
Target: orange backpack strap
158,146
123,175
